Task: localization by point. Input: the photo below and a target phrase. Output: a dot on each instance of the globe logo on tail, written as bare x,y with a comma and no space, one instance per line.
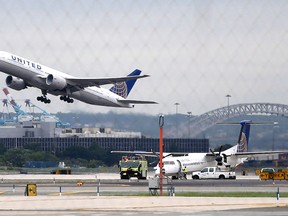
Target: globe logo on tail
242,146
120,89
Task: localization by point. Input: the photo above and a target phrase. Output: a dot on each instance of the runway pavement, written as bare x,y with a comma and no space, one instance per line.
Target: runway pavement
89,176
87,202
111,205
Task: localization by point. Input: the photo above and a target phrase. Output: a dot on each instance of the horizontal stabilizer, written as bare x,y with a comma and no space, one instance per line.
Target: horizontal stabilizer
137,102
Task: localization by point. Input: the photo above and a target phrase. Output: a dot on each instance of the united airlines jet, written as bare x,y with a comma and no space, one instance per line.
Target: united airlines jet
23,73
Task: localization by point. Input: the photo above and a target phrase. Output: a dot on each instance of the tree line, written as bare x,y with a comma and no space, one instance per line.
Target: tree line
91,157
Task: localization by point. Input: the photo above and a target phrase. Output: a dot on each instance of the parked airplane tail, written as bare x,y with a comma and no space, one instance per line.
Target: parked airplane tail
123,88
244,136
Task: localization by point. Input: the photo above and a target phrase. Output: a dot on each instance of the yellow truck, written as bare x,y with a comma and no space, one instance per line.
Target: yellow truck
133,167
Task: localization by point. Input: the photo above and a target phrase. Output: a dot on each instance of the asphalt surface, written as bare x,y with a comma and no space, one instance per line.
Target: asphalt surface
110,183
60,195
111,205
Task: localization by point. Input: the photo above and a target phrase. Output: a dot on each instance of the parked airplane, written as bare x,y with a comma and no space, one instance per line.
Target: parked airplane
175,163
24,73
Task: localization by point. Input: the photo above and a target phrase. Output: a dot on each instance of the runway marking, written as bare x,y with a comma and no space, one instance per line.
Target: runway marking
148,208
70,192
160,208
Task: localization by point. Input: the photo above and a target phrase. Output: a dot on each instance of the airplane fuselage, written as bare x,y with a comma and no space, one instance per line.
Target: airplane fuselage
173,165
35,75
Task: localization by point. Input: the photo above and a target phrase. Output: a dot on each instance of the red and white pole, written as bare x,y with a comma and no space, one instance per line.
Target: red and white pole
161,124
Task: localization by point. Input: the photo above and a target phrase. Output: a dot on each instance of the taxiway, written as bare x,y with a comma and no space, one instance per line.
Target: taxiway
59,194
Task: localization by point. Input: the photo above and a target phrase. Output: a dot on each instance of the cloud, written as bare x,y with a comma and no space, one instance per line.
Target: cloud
195,51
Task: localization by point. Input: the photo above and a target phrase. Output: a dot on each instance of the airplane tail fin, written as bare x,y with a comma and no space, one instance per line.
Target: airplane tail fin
123,88
243,140
244,136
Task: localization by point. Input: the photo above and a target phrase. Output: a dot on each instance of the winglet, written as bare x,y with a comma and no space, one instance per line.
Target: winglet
123,88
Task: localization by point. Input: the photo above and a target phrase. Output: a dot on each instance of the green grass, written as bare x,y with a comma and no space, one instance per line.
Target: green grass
230,194
205,194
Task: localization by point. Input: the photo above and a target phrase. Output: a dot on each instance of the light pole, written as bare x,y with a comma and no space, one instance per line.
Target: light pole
189,123
176,105
228,96
275,125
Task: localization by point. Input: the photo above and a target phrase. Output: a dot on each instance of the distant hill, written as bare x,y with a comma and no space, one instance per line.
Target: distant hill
261,136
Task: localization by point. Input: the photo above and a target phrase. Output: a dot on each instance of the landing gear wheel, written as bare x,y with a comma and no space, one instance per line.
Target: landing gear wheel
47,101
43,99
67,99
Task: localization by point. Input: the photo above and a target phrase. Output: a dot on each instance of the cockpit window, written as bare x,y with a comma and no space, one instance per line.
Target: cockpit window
169,163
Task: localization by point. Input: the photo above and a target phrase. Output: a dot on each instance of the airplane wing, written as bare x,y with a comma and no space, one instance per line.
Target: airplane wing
140,153
137,102
151,154
86,82
253,154
248,154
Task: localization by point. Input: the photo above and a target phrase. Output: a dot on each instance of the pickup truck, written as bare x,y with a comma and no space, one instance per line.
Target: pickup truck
213,173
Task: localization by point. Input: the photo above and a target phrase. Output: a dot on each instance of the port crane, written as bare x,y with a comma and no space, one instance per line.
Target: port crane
21,115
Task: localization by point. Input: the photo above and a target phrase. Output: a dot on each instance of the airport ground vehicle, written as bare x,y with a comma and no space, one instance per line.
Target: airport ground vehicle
214,173
133,167
61,171
271,174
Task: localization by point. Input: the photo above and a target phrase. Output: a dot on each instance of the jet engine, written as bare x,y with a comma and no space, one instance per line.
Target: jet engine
15,83
56,82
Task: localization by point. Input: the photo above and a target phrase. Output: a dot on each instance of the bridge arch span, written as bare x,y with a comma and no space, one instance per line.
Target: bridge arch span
208,119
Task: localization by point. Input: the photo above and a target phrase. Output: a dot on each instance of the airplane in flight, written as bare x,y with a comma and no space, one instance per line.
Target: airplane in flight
175,163
23,73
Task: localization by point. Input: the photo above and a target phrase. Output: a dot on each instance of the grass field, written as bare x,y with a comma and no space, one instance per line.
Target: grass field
231,194
204,194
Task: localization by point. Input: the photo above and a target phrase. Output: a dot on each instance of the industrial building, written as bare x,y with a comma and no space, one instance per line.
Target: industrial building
109,143
52,135
54,139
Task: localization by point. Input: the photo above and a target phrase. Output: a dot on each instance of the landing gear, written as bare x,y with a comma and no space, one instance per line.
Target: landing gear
44,99
67,99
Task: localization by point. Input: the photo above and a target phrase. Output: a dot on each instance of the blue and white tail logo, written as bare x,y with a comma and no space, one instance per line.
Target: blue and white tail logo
120,89
123,88
244,136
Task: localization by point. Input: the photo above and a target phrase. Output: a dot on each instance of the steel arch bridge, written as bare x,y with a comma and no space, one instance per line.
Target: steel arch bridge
206,120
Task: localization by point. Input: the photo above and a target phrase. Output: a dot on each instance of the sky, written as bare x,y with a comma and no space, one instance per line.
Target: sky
196,52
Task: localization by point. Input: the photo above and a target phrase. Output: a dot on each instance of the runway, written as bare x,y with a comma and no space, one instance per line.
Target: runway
59,194
110,205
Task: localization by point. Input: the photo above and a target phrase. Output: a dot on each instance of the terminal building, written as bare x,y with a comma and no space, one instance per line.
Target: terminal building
53,139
